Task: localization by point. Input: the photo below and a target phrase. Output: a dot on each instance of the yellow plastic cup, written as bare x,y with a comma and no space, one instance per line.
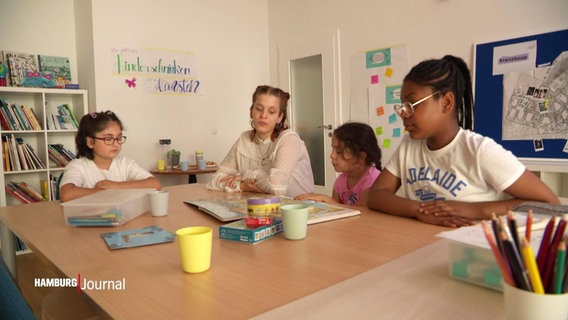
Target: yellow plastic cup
161,165
194,245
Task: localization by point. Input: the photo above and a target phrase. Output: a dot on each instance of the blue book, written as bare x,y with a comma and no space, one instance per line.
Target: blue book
137,237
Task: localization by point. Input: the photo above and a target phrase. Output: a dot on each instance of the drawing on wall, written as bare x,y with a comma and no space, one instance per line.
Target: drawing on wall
535,104
376,82
157,71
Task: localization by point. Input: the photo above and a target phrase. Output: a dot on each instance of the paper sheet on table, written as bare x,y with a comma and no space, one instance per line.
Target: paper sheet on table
474,235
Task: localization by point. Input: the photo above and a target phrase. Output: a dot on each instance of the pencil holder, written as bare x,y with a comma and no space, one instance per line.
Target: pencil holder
526,305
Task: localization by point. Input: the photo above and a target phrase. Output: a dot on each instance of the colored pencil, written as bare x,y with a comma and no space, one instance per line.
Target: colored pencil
544,245
548,276
496,231
505,272
512,223
514,260
528,225
559,270
530,263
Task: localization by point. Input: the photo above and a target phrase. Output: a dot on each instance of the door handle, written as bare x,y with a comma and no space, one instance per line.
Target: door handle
328,127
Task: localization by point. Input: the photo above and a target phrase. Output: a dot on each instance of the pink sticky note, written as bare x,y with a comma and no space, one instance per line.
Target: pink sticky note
375,79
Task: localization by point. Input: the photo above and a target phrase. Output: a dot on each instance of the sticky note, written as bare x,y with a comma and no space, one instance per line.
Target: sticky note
386,143
388,72
392,118
375,79
396,132
380,111
379,131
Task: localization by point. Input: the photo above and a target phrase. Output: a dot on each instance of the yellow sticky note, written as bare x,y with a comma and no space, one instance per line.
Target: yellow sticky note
388,72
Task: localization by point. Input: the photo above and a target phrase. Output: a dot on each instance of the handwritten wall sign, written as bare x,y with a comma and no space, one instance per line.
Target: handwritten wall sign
157,71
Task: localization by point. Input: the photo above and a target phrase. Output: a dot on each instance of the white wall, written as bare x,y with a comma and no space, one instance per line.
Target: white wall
235,42
428,28
30,26
229,38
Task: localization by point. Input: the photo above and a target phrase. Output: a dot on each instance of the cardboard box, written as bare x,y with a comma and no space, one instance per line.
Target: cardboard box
106,208
238,231
475,265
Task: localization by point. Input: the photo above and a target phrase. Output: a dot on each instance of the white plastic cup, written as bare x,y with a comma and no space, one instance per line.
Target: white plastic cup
159,203
294,221
184,165
201,164
526,305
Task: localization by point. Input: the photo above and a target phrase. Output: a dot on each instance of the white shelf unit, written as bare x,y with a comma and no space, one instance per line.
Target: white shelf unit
44,102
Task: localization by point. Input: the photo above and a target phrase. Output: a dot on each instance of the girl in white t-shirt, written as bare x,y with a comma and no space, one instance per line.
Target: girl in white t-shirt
443,173
356,154
98,165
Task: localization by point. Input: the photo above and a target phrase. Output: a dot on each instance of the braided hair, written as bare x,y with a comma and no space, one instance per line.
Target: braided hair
448,74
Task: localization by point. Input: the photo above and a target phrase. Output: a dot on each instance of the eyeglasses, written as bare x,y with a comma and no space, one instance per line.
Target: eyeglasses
110,140
408,108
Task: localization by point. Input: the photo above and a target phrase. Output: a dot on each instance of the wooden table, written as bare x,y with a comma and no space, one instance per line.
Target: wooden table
244,280
191,172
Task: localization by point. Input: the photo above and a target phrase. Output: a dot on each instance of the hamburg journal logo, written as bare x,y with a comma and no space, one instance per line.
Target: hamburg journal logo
81,284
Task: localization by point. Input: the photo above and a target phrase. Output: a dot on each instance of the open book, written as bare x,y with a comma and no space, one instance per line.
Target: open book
234,207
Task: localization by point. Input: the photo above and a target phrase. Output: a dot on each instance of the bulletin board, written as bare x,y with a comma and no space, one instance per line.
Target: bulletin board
521,94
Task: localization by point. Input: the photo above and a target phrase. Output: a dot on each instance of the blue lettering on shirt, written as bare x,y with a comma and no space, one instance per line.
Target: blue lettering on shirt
447,180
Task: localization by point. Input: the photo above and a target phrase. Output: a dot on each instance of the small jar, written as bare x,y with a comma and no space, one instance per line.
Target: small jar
261,211
198,156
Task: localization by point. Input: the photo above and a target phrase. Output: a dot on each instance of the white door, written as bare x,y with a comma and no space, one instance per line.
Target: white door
309,70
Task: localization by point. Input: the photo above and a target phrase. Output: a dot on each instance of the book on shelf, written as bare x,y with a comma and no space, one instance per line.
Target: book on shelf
17,117
57,68
21,65
4,61
59,154
137,237
23,192
19,155
233,207
238,231
64,119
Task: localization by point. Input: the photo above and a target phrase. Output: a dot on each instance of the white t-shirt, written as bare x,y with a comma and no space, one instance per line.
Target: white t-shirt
84,173
286,170
471,168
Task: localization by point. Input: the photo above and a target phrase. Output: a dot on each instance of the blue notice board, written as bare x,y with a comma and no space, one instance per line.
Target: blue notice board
489,95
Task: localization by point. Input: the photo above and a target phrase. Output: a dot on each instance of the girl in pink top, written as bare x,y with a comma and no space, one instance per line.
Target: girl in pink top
356,154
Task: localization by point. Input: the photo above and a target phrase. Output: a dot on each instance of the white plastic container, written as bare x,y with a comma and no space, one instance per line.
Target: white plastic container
107,208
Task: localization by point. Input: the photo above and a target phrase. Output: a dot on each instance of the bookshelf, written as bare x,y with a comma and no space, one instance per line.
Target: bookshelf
44,103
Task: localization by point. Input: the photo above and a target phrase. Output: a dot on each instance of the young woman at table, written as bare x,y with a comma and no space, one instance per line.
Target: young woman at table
447,174
356,154
270,158
98,165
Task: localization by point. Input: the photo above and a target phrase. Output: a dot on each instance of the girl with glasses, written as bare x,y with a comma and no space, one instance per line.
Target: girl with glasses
99,165
443,173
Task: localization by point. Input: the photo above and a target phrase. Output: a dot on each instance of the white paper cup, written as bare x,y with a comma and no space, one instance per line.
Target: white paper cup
184,165
525,305
159,203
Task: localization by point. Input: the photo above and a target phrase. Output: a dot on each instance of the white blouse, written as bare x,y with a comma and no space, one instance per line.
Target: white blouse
280,167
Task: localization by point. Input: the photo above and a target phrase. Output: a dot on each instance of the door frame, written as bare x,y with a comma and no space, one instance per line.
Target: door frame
326,45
